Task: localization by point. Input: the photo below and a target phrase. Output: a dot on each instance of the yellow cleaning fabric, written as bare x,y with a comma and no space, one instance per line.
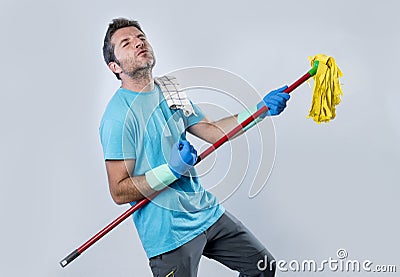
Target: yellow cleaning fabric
327,90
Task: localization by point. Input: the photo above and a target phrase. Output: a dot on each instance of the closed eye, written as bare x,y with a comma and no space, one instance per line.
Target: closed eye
124,42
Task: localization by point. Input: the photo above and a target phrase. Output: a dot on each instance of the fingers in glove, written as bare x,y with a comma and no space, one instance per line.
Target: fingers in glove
284,95
282,88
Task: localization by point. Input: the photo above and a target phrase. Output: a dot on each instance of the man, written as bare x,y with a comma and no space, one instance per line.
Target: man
145,153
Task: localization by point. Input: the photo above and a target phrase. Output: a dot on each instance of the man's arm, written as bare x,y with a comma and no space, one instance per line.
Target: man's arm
123,187
211,131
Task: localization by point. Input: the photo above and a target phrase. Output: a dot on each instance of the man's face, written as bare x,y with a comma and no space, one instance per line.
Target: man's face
133,52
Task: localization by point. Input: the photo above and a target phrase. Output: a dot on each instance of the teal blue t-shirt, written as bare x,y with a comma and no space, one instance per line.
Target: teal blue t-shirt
141,126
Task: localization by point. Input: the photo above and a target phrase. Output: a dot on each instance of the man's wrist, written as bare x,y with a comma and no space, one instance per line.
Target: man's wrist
242,116
160,177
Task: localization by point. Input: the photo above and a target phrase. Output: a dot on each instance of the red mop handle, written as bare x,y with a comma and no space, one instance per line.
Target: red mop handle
250,119
74,254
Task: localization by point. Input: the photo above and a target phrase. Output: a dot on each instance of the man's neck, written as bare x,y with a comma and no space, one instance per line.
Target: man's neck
141,84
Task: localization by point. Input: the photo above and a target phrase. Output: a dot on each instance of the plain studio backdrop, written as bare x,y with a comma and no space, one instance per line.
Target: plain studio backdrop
333,186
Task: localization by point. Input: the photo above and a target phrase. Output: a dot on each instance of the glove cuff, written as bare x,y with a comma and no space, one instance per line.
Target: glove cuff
160,177
242,116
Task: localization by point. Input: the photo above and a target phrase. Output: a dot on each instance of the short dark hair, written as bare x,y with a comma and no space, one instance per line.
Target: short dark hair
108,48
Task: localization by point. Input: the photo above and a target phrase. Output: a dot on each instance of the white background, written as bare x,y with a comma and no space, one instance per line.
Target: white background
333,185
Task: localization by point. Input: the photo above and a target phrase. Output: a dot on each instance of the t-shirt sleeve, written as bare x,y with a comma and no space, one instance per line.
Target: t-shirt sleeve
117,140
194,118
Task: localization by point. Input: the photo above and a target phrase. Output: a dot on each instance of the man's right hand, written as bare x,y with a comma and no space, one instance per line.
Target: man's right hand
183,157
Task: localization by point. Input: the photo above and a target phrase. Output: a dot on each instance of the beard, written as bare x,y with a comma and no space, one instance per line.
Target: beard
138,68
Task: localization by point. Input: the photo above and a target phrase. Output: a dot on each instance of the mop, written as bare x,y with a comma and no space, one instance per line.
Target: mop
326,95
327,90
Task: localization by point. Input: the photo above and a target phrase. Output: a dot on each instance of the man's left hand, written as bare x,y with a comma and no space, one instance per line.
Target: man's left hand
275,101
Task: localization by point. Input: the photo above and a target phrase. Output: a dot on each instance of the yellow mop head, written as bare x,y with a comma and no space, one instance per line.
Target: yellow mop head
327,90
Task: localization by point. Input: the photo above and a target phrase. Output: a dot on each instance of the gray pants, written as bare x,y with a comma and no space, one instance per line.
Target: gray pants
227,241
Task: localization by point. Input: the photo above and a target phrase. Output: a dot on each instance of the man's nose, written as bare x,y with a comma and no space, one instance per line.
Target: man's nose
139,43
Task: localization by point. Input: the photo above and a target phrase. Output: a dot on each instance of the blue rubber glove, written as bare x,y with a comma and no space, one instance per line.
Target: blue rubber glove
183,157
275,101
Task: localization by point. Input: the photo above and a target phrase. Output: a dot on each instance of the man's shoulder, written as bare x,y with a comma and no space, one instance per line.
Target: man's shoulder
115,109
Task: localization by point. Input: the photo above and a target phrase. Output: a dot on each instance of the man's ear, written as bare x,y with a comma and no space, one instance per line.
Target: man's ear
114,67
